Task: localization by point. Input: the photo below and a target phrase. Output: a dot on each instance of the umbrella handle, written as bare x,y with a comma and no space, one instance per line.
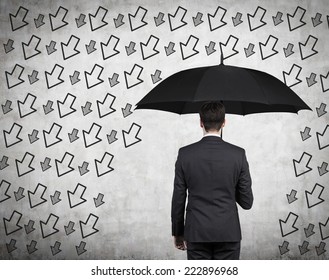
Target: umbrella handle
221,132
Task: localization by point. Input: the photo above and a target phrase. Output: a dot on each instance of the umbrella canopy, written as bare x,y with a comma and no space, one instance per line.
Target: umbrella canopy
243,91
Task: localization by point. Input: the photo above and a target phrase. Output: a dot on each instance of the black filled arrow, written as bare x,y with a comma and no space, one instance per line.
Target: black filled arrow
91,47
64,167
81,20
159,19
56,248
256,20
136,21
55,198
306,133
76,197
53,78
97,20
292,196
278,18
65,107
118,21
36,198
73,136
29,227
309,230
31,248
19,194
284,248
33,77
3,162
99,200
12,136
51,47
7,107
39,21
24,166
296,20
83,169
237,19
91,137
45,164
103,166
51,137
9,46
57,21
131,137
156,76
288,226
81,248
114,80
88,227
170,48
304,248
13,78
176,21
69,228
48,227
112,137
18,21
75,78
30,49
11,247
323,168
33,137
12,224
4,187
93,77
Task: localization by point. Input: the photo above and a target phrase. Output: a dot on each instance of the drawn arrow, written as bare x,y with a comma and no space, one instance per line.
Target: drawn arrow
309,230
48,227
109,49
83,169
311,80
33,136
156,77
31,248
176,21
86,109
63,167
9,46
131,48
105,107
284,248
288,50
288,226
296,20
118,21
103,166
292,196
324,230
58,21
149,49
3,163
33,77
7,107
75,77
127,110
189,48
36,198
51,47
323,139
306,133
88,227
91,47
70,48
216,20
97,21
14,78
112,137
81,20
76,197
30,49
131,137
320,249
93,77
54,77
99,200
237,19
197,20
91,137
301,167
278,18
39,21
45,164
304,248
11,247
317,19
29,227
25,108
114,80
256,20
55,249
170,49
18,21
137,21
307,49
24,166
210,49
81,248
325,82
51,137
314,198
228,49
55,198
133,77
268,49
65,107
12,137
12,224
4,187
323,169
69,228
321,110
159,19
19,194
291,79
250,50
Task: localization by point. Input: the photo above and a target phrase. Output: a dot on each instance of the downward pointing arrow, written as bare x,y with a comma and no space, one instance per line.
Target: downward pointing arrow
323,139
288,226
7,107
55,198
189,48
46,164
210,49
118,21
284,248
306,133
320,249
301,167
105,107
159,19
88,227
12,137
288,50
307,49
32,247
170,49
91,137
228,49
114,80
291,79
296,20
39,21
48,227
58,21
31,48
323,169
52,137
34,136
93,77
149,49
63,167
311,80
29,227
109,49
14,78
81,20
216,20
4,187
309,230
33,77
317,19
55,249
70,48
11,246
324,230
18,21
69,228
304,248
86,109
25,108
12,224
256,20
76,197
3,163
112,137
250,50
99,200
91,47
131,137
81,248
268,49
292,196
84,168
24,166
137,21
73,136
156,76
278,18
133,78
36,198
75,78
103,166
325,82
51,47
176,21
65,107
53,79
237,19
19,194
97,21
321,110
127,110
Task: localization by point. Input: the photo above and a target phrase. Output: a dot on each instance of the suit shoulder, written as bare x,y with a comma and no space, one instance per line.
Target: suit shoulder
234,147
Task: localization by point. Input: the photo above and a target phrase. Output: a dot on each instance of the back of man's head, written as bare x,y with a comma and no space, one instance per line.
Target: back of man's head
212,115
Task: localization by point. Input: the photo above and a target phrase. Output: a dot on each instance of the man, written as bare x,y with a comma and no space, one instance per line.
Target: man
216,176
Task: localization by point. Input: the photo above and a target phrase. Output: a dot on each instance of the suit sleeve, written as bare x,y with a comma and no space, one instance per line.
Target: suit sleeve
244,196
178,199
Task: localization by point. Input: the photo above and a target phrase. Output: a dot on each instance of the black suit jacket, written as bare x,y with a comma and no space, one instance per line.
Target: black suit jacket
215,174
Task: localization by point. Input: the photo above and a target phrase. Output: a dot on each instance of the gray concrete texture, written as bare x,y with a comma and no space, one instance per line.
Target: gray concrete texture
120,208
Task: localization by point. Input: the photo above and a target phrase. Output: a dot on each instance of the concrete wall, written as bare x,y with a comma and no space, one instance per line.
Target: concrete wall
120,209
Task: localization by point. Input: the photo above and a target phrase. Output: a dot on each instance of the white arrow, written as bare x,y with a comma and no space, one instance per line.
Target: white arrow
137,21
93,78
31,48
177,20
70,48
216,20
149,49
12,137
131,137
291,79
26,107
103,166
256,20
76,197
324,230
109,49
189,48
105,107
48,227
66,107
88,228
97,20
14,78
314,197
296,20
63,167
307,49
323,139
267,49
54,78
57,21
91,137
24,166
51,137
301,167
36,198
228,49
288,226
12,224
133,78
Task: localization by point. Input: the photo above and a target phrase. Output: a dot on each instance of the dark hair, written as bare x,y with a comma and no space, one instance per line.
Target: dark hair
212,115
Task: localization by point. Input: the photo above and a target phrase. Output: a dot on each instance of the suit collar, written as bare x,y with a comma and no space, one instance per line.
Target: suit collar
211,138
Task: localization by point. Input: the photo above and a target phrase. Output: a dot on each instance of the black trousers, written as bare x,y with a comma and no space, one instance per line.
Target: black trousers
213,250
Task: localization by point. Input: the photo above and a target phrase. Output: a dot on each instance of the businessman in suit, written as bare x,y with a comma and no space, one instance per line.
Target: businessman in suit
215,174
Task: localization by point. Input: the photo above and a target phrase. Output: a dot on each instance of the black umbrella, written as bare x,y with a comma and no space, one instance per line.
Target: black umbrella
243,91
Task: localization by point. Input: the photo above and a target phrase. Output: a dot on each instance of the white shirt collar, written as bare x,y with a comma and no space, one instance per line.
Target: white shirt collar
211,134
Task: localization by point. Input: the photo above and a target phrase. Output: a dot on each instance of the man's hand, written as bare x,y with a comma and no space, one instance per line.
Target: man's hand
180,242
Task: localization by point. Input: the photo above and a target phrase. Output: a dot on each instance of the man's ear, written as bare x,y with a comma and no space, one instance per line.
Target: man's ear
224,123
201,124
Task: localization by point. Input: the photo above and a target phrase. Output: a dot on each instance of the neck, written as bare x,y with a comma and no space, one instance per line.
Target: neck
215,132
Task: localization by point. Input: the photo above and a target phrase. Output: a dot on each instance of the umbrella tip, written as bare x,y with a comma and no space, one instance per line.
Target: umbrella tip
221,58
